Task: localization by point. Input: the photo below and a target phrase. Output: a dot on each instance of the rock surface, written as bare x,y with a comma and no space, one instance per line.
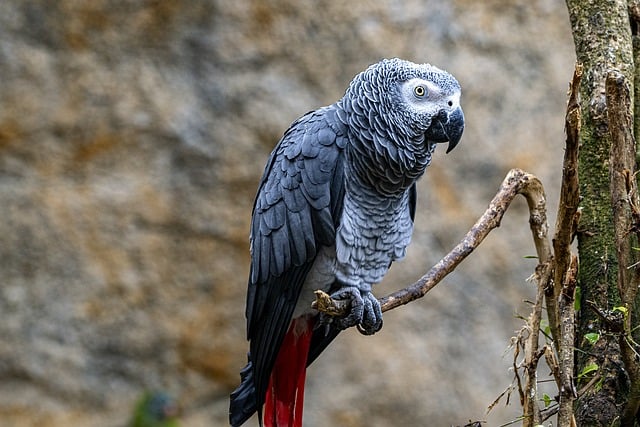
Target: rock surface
132,138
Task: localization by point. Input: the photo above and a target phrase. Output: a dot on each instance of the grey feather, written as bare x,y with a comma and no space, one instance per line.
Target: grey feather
336,203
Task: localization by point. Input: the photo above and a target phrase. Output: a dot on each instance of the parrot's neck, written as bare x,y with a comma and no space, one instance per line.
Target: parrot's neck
382,166
387,163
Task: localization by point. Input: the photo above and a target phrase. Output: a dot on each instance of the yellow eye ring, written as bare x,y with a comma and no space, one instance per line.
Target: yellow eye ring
419,91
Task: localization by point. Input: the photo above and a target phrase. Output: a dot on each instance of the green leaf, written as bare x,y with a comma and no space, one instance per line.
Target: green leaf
530,257
545,328
544,324
547,400
598,385
621,309
592,337
592,367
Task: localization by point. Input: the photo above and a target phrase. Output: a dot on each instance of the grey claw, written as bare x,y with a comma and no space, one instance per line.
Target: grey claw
365,311
357,307
372,316
324,322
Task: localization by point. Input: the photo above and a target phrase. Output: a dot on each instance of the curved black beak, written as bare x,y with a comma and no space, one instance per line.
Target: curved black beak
447,127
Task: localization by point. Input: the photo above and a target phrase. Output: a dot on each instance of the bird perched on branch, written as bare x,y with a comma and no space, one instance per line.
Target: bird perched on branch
334,209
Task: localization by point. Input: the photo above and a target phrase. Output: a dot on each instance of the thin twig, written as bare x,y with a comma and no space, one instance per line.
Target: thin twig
530,409
552,362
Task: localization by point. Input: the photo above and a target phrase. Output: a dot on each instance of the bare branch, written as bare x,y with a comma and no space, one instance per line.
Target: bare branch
516,182
531,411
555,275
552,363
567,218
624,200
566,345
621,168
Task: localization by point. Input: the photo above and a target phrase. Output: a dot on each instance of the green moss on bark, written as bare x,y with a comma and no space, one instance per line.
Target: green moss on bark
602,36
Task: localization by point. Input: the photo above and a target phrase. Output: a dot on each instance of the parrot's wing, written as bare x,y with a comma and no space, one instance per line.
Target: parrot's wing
413,200
296,209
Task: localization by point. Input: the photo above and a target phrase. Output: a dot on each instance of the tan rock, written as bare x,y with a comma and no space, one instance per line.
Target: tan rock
132,138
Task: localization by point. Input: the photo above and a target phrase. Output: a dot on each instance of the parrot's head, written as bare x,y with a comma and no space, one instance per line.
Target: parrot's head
415,104
428,100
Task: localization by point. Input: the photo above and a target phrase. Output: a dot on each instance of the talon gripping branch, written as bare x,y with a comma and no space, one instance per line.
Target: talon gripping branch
334,209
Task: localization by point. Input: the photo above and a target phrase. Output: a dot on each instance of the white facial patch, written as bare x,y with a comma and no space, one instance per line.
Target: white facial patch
429,100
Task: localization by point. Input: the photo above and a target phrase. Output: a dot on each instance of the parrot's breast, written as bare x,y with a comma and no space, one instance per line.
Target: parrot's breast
373,232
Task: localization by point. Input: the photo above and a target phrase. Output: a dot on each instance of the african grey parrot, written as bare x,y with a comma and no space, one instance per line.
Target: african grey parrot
334,208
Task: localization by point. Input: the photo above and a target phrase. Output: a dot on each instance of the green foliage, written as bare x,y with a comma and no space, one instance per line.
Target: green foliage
592,337
592,367
621,309
155,409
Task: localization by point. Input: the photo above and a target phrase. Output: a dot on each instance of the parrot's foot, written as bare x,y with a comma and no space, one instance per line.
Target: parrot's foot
364,311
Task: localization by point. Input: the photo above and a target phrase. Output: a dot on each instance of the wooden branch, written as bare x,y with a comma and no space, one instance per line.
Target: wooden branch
624,200
516,182
622,165
530,411
556,276
567,218
566,345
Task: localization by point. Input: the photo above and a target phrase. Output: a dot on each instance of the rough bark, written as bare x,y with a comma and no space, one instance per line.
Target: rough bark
602,36
624,201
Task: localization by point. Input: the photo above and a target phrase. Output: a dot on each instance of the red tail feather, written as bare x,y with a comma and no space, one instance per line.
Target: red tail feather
285,394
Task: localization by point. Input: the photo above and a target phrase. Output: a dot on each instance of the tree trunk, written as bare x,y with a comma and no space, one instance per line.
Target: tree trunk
603,41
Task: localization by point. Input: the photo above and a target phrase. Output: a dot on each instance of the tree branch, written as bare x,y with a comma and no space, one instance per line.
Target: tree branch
516,182
560,299
555,276
566,345
530,410
567,218
623,187
624,200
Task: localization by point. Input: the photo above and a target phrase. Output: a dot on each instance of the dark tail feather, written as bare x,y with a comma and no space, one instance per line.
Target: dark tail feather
243,399
319,341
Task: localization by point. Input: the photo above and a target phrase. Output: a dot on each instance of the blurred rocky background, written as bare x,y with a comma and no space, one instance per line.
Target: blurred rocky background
133,134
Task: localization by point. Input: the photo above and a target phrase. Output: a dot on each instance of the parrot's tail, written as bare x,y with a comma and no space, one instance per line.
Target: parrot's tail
285,394
243,400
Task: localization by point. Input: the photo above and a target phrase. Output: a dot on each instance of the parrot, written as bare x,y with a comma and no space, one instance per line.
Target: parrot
335,207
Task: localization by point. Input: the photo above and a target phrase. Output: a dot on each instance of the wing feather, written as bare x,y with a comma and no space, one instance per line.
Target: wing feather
296,210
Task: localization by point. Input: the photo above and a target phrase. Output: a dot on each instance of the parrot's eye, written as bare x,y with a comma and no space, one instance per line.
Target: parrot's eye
419,91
